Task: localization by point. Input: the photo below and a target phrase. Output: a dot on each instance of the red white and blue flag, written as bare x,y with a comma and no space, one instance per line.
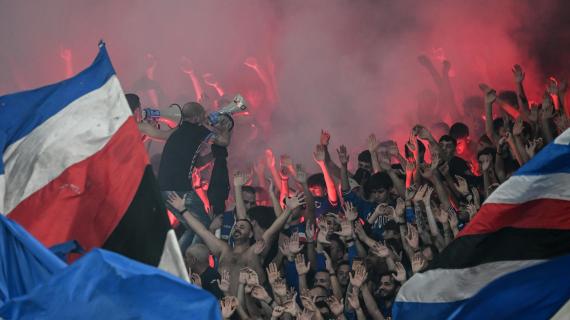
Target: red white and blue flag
74,167
512,260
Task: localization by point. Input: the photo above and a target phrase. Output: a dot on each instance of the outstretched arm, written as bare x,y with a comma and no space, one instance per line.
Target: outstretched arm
215,245
319,156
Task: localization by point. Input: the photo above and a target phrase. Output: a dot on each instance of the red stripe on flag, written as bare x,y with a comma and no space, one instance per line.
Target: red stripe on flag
87,201
536,214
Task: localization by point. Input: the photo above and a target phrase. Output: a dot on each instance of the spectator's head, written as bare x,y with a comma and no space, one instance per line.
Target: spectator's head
448,145
323,279
508,97
460,132
484,142
391,230
197,256
261,218
473,107
249,197
320,293
377,188
487,155
134,101
193,112
336,248
499,127
317,185
365,160
387,288
342,273
243,230
439,129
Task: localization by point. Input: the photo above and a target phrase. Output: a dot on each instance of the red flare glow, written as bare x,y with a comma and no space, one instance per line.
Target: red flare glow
67,57
214,84
187,69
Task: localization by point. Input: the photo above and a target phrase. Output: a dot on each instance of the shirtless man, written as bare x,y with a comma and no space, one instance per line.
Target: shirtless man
243,254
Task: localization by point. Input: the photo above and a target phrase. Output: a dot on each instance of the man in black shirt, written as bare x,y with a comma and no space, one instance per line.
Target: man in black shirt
197,259
182,153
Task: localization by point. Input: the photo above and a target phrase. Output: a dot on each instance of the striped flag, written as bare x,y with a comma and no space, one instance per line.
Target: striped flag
74,166
511,261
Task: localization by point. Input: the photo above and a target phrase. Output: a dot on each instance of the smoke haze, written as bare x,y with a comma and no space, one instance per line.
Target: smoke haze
349,67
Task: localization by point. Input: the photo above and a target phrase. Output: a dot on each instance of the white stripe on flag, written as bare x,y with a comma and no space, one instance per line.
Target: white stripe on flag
563,313
171,260
564,138
74,134
520,189
449,285
2,191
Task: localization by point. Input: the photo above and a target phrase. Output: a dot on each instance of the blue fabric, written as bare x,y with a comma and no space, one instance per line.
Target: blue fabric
554,158
63,249
35,284
410,215
24,111
291,275
228,221
103,285
537,292
24,261
324,206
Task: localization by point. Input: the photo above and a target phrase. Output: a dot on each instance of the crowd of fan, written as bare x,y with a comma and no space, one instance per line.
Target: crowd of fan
339,244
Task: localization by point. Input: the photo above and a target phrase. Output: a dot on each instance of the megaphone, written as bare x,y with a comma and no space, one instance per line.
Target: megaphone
236,106
171,115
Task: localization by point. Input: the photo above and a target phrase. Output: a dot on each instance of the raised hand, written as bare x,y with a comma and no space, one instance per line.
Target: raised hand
490,94
319,154
418,262
422,133
342,155
243,275
310,232
306,314
259,293
196,280
471,209
345,229
241,178
269,158
294,245
291,306
552,86
277,312
323,233
284,248
335,305
372,143
353,300
285,161
359,231
518,73
300,174
530,148
279,288
224,282
283,173
350,211
518,127
547,110
380,250
418,197
325,138
229,306
399,211
252,278
442,215
295,201
176,201
400,274
302,268
272,273
461,185
412,237
258,247
359,277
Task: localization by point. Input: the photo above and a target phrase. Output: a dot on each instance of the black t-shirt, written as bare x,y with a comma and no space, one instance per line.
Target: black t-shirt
178,155
209,282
